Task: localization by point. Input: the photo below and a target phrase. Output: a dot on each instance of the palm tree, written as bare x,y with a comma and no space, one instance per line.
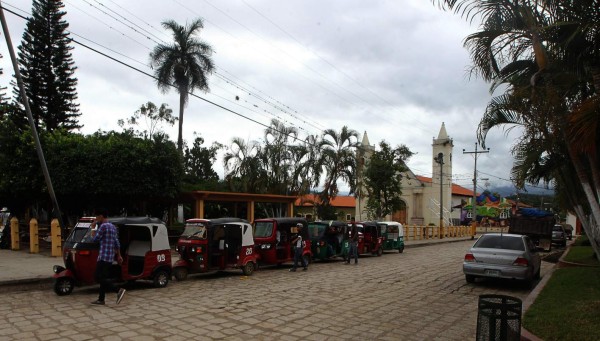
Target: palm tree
184,64
546,53
339,160
243,163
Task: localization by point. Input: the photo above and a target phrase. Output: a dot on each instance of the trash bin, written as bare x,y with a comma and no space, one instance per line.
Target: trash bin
498,318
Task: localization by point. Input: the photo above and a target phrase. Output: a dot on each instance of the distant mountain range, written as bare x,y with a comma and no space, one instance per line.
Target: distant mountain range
506,191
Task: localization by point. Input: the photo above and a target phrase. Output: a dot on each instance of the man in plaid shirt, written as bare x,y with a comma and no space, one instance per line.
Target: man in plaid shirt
108,236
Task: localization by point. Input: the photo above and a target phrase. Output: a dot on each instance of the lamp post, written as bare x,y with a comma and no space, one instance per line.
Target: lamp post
440,159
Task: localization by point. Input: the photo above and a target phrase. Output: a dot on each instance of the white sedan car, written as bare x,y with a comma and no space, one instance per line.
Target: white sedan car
497,255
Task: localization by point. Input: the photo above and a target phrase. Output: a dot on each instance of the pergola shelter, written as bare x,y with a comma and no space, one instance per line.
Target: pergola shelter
199,199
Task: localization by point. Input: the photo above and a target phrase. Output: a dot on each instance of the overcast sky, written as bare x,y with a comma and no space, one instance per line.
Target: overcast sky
395,69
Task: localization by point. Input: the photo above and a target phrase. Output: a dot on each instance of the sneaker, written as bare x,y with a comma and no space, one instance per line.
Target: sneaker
98,302
292,270
120,295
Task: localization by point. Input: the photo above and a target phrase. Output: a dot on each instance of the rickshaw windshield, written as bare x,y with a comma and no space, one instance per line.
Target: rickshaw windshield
384,228
263,229
195,231
80,234
316,230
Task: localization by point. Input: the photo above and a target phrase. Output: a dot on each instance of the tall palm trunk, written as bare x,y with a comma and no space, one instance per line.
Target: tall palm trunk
589,231
588,190
182,100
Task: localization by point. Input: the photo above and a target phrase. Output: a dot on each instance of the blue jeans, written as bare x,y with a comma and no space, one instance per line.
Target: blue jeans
353,250
298,257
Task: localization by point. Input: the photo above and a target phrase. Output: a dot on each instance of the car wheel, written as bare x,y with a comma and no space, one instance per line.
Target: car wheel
63,286
470,278
161,279
248,269
180,273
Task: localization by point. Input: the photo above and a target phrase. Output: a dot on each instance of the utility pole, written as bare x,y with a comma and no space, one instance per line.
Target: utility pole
36,138
440,159
474,203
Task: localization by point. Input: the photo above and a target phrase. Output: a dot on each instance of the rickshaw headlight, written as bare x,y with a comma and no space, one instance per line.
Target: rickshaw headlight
58,269
193,249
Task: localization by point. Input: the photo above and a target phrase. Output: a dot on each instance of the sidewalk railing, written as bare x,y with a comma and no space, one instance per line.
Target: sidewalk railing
416,232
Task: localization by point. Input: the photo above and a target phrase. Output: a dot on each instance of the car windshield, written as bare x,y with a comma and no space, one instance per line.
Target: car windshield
263,229
196,230
500,242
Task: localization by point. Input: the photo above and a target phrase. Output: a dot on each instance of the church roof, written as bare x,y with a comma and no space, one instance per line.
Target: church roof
443,135
456,189
365,140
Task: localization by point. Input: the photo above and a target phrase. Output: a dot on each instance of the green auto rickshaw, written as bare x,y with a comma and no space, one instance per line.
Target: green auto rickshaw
326,239
393,235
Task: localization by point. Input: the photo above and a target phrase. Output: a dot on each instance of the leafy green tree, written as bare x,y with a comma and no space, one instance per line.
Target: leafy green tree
183,64
383,179
152,117
48,69
198,162
114,170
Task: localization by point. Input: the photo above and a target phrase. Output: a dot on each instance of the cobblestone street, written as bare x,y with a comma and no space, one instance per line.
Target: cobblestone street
420,294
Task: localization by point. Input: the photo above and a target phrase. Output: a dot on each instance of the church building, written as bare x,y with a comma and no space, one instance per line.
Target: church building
423,197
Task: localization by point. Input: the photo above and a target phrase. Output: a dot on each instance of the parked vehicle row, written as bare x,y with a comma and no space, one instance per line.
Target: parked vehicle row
213,245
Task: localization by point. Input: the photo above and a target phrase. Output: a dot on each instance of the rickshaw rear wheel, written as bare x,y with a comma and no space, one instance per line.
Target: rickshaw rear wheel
248,269
400,250
63,286
180,273
379,252
161,279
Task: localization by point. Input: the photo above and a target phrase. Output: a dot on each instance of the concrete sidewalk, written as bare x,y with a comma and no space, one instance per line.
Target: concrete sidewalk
21,267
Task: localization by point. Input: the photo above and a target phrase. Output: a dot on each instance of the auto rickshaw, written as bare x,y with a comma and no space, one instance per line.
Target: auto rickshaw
326,239
369,238
144,247
392,234
273,238
213,245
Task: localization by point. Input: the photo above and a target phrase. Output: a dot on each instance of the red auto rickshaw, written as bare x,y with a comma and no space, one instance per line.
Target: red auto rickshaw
144,247
218,244
273,238
369,238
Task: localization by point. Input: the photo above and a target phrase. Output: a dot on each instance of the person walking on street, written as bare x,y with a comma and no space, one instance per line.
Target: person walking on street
108,237
353,241
298,245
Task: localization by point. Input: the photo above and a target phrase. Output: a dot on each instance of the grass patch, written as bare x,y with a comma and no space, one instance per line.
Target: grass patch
582,255
568,306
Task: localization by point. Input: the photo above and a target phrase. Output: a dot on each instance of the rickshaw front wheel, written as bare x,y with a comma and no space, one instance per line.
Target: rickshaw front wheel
400,250
379,252
248,269
180,273
161,279
63,286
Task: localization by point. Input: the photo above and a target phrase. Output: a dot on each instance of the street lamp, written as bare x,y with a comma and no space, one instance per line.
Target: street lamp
440,159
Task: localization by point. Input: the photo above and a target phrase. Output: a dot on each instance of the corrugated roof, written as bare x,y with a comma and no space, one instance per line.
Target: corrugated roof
456,189
339,201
